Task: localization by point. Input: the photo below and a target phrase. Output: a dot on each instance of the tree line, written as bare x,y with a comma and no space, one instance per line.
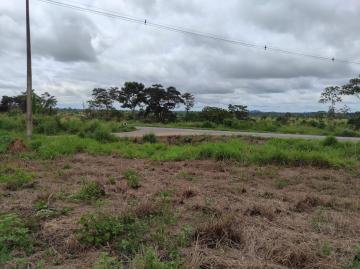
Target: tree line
43,104
154,102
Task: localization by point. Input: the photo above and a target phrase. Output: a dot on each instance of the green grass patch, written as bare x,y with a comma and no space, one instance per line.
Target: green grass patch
356,262
14,178
131,235
132,178
5,141
14,235
90,191
281,184
286,152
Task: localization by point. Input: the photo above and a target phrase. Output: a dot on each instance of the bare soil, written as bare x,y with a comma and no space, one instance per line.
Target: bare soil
283,216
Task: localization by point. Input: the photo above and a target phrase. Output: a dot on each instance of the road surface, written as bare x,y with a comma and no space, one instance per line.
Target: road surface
192,132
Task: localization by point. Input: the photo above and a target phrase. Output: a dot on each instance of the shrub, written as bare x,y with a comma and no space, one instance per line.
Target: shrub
149,138
103,135
90,191
14,178
14,235
132,178
330,141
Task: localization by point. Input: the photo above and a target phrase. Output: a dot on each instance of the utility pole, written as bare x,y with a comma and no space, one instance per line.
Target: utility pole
29,116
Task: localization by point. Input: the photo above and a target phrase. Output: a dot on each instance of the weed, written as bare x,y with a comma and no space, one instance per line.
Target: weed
112,180
90,191
281,184
132,178
41,205
67,166
325,249
14,178
148,259
184,237
106,262
356,262
125,232
187,176
14,235
149,138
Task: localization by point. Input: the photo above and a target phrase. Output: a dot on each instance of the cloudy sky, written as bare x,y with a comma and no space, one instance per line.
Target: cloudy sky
74,52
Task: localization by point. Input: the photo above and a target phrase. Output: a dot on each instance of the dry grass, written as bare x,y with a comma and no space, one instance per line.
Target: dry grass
239,218
219,232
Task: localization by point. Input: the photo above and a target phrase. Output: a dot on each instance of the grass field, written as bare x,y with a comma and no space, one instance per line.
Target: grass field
80,200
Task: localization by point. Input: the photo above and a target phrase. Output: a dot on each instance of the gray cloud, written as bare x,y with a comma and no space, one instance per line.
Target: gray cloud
74,51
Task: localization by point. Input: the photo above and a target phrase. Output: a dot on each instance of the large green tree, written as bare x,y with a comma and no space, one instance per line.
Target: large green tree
352,88
130,96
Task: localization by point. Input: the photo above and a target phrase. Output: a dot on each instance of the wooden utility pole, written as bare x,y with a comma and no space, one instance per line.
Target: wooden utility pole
29,116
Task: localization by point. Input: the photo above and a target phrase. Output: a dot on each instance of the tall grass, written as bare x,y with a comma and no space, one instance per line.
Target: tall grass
273,151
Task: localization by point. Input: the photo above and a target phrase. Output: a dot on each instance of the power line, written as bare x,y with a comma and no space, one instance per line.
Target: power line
114,15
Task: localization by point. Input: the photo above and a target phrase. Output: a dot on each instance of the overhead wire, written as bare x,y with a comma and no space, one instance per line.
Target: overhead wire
146,22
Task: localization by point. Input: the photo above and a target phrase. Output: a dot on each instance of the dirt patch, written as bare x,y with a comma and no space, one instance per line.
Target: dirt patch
17,146
239,218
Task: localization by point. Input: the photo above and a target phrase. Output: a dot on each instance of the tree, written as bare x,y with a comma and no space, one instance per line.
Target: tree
130,96
352,88
160,102
7,103
239,111
101,100
47,103
215,114
189,101
331,95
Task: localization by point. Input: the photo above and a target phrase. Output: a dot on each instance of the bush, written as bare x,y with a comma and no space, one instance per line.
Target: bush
330,141
13,236
90,191
132,178
149,138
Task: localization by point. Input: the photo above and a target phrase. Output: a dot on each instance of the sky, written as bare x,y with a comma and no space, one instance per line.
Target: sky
74,52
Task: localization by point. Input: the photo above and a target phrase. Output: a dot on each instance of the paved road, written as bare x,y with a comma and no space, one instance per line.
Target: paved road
190,132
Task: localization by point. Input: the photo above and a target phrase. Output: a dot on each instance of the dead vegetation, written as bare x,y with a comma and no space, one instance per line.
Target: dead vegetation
231,216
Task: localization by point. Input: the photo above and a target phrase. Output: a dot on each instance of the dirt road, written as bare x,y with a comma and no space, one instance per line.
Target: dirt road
191,132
